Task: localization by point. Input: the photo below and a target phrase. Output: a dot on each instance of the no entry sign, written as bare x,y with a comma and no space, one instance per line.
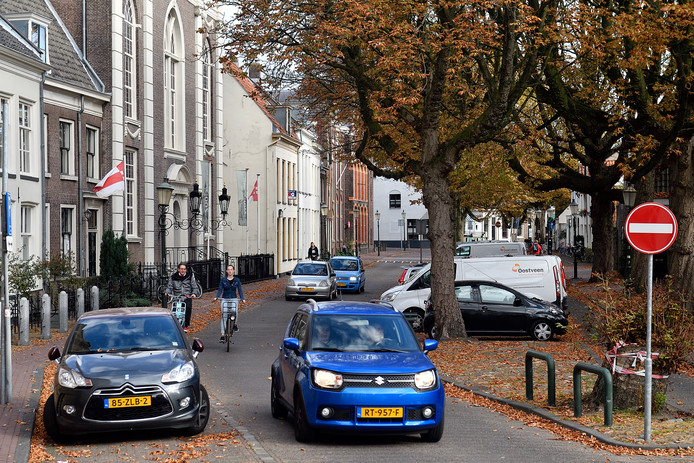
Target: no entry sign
651,228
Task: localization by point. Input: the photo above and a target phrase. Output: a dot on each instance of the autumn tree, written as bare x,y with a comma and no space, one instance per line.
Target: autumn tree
610,102
420,82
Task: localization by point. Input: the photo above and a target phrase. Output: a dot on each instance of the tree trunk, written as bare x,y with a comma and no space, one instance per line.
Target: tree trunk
601,214
441,208
681,262
639,269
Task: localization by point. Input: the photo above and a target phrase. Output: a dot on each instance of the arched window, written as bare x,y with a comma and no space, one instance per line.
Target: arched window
173,83
207,91
129,74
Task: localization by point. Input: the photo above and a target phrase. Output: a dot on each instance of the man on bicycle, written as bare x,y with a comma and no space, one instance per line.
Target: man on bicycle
229,286
182,283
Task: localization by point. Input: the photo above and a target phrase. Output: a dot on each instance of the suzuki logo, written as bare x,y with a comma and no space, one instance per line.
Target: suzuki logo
379,380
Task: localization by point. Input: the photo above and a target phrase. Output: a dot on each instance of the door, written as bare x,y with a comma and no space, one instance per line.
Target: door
468,301
498,311
290,360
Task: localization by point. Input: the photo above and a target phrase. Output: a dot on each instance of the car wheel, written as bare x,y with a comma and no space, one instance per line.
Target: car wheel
203,414
50,421
302,430
416,318
434,434
429,325
542,331
276,408
363,288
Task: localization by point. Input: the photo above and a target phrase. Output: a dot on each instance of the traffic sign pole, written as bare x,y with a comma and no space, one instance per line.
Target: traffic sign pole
650,228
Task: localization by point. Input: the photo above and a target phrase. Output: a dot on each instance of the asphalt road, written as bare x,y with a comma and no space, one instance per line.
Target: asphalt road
238,382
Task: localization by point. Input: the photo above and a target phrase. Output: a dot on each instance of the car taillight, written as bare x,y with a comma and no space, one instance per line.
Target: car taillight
402,277
557,288
563,276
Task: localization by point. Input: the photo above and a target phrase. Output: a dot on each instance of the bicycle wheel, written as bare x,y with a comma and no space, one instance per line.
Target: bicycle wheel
227,332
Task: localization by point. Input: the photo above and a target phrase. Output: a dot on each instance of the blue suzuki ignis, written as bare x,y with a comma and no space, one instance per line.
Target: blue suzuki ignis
356,366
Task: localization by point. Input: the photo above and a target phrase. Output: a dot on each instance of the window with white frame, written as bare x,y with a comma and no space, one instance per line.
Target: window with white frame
66,217
24,138
129,47
25,229
173,83
65,136
130,193
206,85
394,201
92,143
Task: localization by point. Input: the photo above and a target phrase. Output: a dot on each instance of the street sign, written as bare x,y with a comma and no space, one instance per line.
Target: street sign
291,194
651,228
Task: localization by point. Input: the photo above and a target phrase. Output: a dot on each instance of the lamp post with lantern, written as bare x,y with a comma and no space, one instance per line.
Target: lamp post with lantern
404,229
629,194
168,220
573,207
378,230
324,228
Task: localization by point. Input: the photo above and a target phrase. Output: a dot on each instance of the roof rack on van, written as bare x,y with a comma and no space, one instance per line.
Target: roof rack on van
313,304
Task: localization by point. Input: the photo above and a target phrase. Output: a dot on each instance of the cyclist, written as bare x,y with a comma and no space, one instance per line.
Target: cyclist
182,283
229,286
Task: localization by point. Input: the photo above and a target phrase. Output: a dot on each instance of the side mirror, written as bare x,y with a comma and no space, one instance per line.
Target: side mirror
198,345
517,302
430,344
333,274
291,344
53,353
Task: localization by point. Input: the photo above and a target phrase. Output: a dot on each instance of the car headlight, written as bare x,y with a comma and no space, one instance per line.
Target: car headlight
290,282
425,379
323,283
327,379
352,278
72,379
390,296
179,374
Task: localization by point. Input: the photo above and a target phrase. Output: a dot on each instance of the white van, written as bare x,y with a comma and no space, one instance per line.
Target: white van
490,249
534,276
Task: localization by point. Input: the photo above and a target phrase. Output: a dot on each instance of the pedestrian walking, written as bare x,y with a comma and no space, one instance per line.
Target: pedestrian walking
313,252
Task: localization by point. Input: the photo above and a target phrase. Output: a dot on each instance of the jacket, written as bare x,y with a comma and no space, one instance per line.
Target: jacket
313,253
182,286
228,289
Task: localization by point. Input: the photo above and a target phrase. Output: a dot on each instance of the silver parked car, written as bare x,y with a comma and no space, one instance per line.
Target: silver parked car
312,279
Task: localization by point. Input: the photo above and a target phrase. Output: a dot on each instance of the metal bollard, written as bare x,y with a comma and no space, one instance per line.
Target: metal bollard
551,381
46,317
24,322
95,298
80,302
607,377
62,312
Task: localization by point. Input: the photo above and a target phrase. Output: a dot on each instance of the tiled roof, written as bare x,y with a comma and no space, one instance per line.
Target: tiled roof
66,60
255,95
10,38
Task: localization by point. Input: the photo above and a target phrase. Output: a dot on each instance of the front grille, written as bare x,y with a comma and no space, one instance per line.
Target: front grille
381,381
95,406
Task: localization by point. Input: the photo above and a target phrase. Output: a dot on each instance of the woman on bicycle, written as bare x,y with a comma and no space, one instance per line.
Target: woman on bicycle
229,286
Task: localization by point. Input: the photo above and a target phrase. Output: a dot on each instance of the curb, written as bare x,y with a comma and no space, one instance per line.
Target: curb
23,449
528,408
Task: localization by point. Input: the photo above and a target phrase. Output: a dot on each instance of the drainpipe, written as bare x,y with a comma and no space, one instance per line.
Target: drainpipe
80,198
42,177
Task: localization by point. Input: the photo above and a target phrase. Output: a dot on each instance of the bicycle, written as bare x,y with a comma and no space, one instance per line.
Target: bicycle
178,307
230,315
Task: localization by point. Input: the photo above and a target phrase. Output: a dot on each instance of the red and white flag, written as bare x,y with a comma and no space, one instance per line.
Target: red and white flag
254,193
114,181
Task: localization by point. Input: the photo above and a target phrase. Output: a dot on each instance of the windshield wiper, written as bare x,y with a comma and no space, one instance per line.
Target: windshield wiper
386,350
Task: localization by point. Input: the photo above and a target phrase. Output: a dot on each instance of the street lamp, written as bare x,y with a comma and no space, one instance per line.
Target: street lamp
573,206
164,192
404,229
378,228
324,215
550,228
531,222
356,232
629,194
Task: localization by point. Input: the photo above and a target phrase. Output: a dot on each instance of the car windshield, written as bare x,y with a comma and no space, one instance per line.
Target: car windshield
310,269
129,333
344,264
362,333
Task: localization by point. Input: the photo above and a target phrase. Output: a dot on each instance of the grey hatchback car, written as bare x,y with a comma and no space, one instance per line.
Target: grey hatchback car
126,369
313,279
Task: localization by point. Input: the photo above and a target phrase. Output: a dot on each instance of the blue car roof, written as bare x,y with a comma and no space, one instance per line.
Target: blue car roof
348,307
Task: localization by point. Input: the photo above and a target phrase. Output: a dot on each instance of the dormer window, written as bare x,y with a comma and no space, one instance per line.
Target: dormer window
38,38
